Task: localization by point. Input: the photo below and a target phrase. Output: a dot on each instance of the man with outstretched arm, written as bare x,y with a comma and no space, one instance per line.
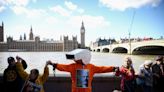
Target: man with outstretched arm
81,71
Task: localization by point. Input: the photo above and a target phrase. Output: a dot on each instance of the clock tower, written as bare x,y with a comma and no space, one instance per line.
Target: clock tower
82,32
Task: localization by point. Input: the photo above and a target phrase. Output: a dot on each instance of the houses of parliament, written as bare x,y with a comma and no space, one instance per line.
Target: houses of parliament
35,44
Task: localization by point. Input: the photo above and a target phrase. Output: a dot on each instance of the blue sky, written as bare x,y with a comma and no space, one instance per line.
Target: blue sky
51,19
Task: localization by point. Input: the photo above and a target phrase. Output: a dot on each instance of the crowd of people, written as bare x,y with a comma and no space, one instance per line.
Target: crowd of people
150,77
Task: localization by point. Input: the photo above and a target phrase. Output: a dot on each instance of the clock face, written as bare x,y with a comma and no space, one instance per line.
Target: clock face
82,30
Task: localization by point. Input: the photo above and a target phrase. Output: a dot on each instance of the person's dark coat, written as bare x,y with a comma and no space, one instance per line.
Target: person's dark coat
12,80
158,77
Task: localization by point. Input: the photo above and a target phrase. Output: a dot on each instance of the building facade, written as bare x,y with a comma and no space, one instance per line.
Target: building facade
33,45
102,42
2,33
70,44
37,45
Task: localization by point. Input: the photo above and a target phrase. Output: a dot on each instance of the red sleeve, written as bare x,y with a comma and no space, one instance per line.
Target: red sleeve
129,74
63,67
122,71
102,69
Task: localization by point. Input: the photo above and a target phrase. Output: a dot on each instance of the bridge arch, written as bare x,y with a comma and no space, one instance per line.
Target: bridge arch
120,50
149,49
98,50
105,50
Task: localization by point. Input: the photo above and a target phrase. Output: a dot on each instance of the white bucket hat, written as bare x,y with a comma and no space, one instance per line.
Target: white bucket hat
80,54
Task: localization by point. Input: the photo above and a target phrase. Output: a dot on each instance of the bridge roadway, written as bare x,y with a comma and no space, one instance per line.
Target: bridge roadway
142,47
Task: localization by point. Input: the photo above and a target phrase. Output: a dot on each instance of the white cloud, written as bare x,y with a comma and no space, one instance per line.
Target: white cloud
74,7
17,5
2,5
35,13
52,20
91,22
70,5
18,2
2,2
67,10
19,10
30,13
2,8
34,1
125,4
80,11
60,10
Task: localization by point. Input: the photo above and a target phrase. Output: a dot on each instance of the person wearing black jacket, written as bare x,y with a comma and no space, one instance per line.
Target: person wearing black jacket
11,79
158,74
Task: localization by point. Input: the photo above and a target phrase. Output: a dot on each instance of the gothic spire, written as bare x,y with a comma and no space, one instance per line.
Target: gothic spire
2,24
24,36
31,29
82,25
31,36
20,37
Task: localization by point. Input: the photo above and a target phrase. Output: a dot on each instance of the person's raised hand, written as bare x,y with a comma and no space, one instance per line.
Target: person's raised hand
48,62
18,59
116,69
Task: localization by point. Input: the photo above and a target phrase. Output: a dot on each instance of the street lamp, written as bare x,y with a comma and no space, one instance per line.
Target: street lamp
129,42
130,32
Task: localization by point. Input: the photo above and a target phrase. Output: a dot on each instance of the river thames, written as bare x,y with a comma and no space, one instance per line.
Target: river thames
38,60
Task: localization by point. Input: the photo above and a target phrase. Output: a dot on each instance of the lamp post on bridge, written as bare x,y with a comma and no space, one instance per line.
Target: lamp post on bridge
129,43
130,32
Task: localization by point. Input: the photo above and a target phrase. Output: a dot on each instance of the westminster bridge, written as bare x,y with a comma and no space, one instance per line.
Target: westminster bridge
143,47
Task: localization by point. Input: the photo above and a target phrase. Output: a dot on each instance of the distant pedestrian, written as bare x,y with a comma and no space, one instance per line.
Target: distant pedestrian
11,78
127,73
158,74
145,76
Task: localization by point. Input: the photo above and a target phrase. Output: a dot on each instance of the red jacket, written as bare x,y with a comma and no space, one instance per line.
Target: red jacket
127,75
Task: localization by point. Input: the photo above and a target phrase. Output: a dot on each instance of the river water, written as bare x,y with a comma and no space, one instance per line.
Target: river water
38,60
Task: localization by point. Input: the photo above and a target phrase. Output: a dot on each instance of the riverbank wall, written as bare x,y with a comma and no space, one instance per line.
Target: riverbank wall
63,84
